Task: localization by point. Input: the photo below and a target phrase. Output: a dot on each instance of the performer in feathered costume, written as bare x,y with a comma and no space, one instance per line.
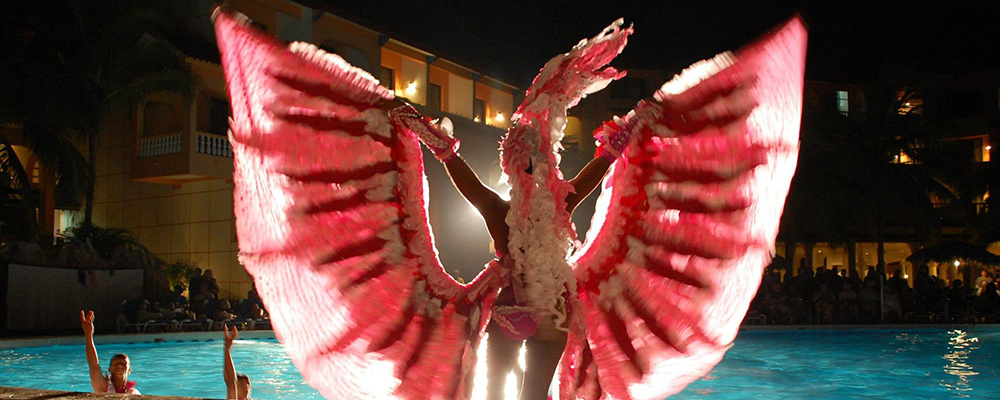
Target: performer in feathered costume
330,201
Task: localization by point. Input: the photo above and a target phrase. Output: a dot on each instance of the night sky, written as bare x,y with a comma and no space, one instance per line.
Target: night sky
849,40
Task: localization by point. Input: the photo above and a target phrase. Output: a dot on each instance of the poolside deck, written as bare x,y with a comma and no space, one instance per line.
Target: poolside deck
39,394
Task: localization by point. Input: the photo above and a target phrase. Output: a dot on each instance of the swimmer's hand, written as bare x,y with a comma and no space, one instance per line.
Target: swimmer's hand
87,322
230,337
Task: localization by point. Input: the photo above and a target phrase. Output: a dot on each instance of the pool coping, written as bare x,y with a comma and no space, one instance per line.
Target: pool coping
7,392
202,336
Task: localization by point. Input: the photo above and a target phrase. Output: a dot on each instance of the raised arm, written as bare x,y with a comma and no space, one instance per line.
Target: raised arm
438,138
469,185
228,368
586,181
97,380
613,136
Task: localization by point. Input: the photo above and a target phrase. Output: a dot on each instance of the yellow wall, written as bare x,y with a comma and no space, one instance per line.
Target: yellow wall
416,72
459,95
191,222
503,103
496,101
574,132
404,71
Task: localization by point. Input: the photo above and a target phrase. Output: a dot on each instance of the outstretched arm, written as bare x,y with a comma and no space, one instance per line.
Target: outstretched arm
469,185
228,368
445,147
613,137
586,181
97,380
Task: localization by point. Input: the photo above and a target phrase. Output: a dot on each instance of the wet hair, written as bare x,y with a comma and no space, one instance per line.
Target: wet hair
121,356
243,377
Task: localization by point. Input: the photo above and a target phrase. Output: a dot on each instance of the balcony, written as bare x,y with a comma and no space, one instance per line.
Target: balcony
178,158
182,141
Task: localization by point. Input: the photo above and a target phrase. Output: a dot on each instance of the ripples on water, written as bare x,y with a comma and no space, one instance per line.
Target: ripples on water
856,364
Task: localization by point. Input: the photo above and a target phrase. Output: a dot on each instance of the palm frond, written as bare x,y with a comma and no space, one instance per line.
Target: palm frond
12,172
166,80
61,158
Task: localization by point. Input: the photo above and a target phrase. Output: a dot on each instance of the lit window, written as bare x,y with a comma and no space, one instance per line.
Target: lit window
843,102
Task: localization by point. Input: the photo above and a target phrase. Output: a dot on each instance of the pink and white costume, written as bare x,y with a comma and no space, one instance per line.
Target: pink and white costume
331,218
129,387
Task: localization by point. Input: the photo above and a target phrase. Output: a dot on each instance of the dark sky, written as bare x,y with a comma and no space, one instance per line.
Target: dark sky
849,40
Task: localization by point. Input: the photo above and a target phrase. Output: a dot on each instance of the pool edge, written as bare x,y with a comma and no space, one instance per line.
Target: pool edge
6,344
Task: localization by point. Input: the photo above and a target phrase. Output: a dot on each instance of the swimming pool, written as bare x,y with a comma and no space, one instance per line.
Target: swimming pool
938,363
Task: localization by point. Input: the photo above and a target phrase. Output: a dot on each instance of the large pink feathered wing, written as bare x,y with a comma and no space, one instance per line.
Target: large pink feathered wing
331,220
685,225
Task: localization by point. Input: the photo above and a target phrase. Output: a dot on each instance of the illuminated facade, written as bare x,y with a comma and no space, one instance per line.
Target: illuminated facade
166,175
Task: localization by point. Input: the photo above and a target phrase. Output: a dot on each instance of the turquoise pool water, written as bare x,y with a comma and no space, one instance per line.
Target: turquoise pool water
933,363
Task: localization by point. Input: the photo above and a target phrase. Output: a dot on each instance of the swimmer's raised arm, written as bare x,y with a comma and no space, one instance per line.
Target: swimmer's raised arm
97,379
228,368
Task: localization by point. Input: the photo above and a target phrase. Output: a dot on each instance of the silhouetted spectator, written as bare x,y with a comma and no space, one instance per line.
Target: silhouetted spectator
203,295
958,298
868,301
848,299
177,296
803,285
825,304
897,282
194,283
775,305
981,282
224,311
213,286
986,303
854,279
871,275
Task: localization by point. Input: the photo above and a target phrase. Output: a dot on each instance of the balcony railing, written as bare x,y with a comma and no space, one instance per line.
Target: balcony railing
214,145
162,145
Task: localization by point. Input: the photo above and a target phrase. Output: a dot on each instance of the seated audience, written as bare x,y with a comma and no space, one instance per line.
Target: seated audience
144,314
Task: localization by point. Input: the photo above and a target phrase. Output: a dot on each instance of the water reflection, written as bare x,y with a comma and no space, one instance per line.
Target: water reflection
960,346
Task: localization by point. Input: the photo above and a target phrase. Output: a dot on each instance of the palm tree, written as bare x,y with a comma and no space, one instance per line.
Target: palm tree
73,67
851,182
